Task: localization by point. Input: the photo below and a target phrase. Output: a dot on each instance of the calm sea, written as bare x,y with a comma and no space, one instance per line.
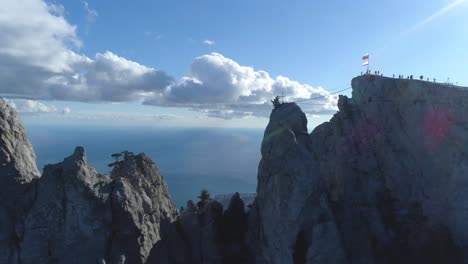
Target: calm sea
220,160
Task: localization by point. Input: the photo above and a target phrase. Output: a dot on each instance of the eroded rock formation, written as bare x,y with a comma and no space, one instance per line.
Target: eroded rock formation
18,174
291,217
72,214
384,181
79,212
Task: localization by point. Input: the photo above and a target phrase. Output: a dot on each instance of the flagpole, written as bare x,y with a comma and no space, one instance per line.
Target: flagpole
366,60
368,63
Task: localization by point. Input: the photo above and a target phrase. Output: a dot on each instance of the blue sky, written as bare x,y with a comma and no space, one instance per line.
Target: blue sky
313,42
316,45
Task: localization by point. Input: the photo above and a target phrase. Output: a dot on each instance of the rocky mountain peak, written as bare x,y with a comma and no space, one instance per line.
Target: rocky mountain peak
387,170
17,158
384,181
18,174
142,203
73,214
79,154
138,166
76,161
289,115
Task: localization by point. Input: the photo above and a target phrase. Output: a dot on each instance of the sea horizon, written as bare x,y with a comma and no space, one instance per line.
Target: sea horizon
221,160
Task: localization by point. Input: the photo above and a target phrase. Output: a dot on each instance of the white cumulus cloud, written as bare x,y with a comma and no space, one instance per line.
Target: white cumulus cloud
31,106
109,78
221,87
40,59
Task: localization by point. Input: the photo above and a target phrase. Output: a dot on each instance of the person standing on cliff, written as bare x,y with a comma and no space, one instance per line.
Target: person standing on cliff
276,102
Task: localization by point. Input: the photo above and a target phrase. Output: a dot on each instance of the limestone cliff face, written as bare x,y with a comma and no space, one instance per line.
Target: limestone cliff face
142,209
385,181
72,214
17,158
79,212
395,163
291,204
17,175
81,216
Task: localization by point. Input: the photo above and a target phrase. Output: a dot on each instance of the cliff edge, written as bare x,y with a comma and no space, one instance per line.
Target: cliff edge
18,174
384,181
72,213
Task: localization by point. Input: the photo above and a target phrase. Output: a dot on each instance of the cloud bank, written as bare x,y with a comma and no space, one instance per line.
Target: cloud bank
220,87
40,59
31,106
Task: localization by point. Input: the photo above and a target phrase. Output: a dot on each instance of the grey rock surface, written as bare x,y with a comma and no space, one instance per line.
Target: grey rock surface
72,214
142,209
17,158
101,219
71,219
18,173
383,182
394,162
291,200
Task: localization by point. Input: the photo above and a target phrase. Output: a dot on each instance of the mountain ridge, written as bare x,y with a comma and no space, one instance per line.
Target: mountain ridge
384,181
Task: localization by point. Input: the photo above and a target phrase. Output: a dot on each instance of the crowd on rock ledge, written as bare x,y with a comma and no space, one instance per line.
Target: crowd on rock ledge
400,76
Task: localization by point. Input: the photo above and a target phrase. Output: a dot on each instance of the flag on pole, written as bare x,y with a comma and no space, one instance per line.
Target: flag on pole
365,60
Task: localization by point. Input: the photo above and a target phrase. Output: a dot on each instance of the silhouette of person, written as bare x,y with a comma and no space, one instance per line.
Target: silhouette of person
276,102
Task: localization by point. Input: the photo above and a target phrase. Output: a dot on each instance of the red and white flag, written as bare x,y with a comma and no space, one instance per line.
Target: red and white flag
365,60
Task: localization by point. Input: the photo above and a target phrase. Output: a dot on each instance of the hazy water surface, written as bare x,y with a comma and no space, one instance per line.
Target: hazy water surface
221,160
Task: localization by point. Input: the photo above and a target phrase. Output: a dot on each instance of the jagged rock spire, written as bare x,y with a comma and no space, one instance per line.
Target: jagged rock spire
18,172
